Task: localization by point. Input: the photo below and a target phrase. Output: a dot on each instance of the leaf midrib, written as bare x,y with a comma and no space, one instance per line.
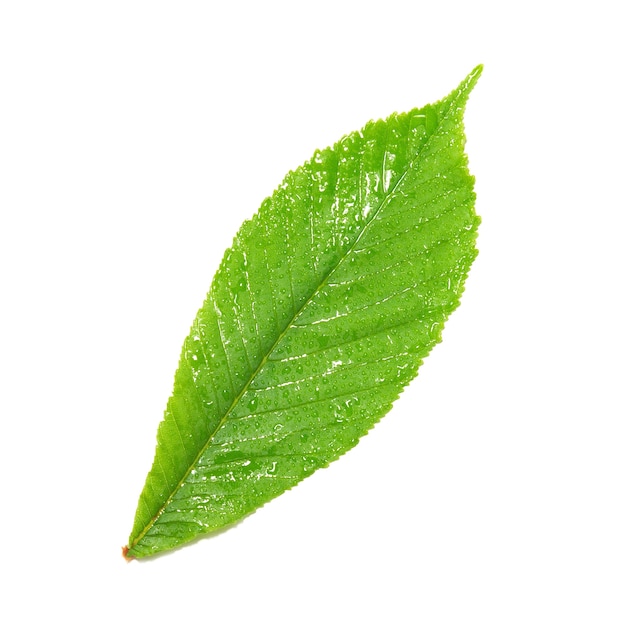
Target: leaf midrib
389,195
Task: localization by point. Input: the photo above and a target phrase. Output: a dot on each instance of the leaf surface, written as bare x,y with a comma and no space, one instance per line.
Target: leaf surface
319,314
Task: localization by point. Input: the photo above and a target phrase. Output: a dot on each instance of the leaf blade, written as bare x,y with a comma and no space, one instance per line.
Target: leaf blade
320,313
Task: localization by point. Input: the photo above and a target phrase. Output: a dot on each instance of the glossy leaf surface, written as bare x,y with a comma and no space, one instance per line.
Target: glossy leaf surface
320,313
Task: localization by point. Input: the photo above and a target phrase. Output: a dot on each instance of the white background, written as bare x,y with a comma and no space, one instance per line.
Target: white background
136,137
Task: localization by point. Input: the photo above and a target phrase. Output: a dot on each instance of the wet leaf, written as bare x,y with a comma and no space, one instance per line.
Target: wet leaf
318,316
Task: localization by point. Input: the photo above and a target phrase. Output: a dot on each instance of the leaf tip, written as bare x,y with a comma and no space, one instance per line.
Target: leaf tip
477,71
472,78
460,95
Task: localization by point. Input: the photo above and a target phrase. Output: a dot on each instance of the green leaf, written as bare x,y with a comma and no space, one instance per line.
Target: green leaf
318,316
